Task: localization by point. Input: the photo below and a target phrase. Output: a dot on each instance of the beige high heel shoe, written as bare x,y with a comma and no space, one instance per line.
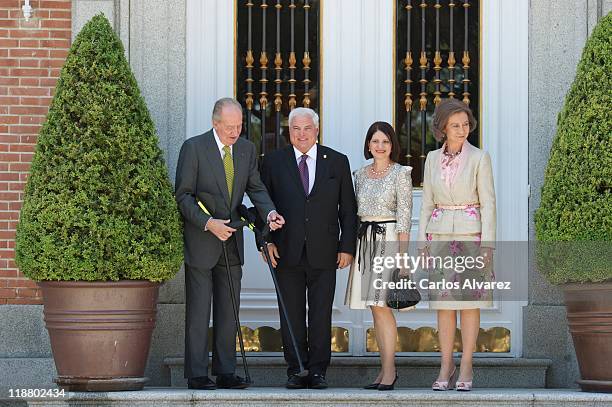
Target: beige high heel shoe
440,385
464,385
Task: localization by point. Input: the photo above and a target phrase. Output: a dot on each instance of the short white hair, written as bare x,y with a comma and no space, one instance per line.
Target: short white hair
222,103
304,112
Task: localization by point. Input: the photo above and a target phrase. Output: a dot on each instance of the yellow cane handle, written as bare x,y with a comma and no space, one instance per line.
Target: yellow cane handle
201,205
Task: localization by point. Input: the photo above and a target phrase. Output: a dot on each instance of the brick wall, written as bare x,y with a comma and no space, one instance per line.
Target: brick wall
31,56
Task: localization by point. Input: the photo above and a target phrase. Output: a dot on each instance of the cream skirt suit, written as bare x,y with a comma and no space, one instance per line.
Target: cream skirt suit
457,218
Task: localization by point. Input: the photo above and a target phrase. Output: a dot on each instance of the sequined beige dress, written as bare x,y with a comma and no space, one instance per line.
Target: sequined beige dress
378,200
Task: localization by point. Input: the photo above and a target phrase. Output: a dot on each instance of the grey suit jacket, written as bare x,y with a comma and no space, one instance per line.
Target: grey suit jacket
200,169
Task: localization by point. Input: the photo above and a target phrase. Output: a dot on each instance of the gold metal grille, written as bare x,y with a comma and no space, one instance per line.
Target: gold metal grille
425,339
431,31
288,71
268,339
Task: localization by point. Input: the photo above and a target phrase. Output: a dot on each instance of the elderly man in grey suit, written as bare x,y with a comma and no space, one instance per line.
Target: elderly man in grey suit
222,166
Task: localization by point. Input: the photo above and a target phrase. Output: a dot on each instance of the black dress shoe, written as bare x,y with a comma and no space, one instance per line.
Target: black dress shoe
296,382
201,383
372,386
231,381
317,381
384,387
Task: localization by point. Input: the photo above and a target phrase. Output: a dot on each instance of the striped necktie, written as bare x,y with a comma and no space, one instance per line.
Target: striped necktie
228,165
303,167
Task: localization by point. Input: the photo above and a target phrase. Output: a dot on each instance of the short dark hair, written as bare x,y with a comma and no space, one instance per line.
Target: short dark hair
445,109
387,129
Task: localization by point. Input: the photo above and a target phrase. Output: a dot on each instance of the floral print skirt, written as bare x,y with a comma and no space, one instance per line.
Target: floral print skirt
452,284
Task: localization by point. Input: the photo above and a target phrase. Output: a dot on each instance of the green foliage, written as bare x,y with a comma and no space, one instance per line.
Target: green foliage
576,205
98,203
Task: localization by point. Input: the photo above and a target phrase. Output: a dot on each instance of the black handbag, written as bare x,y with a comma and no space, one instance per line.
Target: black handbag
400,298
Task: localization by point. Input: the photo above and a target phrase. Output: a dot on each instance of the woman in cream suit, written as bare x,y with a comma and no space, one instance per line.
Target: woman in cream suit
457,220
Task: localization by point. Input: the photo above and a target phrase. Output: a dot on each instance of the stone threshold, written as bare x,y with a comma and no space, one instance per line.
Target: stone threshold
331,397
414,372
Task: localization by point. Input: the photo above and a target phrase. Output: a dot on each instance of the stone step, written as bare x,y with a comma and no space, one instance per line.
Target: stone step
330,397
413,372
19,373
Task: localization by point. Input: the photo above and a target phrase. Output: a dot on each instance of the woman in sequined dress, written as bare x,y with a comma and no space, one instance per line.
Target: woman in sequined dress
457,220
384,207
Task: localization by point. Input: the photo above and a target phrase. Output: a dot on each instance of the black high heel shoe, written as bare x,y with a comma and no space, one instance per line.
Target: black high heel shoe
385,387
372,386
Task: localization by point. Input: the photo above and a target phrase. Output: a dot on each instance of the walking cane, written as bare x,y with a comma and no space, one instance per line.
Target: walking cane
249,217
234,225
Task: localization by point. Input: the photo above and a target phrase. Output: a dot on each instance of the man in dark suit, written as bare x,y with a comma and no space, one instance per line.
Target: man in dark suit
220,166
311,186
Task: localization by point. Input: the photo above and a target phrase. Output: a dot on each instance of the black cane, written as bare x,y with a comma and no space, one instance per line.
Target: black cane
303,372
235,225
236,315
249,217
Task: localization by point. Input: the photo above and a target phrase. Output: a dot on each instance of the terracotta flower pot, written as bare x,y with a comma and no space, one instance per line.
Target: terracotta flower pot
100,332
589,314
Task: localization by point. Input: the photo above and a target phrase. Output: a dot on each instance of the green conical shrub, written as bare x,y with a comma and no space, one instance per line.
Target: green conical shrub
574,221
98,204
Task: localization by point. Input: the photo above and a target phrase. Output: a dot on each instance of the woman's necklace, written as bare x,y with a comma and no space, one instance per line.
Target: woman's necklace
380,172
446,153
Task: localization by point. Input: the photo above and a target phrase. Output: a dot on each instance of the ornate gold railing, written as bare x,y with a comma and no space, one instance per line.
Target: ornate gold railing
423,339
294,26
427,29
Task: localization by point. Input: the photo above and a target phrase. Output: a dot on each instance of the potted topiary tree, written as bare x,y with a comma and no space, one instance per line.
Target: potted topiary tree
99,228
574,220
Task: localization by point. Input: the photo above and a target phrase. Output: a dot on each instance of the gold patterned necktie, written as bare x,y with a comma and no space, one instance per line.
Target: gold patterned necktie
228,165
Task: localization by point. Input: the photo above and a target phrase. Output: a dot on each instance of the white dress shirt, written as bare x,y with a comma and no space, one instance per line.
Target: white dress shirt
311,163
220,145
